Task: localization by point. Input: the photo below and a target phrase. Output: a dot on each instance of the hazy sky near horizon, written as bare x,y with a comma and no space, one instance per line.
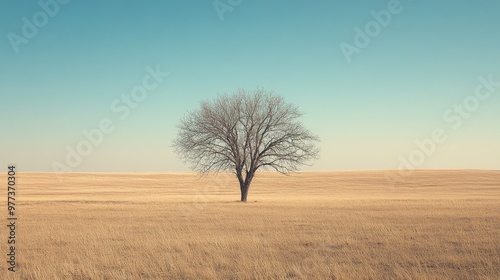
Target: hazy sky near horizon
368,93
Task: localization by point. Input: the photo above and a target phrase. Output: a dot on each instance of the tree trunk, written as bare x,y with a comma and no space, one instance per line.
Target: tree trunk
244,192
244,183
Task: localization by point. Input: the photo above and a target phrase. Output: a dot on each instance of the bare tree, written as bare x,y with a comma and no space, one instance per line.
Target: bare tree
245,132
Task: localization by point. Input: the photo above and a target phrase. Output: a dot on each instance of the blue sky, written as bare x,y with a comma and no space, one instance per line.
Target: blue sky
368,112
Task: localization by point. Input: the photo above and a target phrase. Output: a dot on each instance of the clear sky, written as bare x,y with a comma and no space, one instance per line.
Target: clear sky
369,88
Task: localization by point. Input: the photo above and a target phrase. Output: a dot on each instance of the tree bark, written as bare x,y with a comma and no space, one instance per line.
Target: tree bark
244,192
244,183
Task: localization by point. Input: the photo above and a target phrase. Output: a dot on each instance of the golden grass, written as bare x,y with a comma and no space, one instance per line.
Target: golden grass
313,225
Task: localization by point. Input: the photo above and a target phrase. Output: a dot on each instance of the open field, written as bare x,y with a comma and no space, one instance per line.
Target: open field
313,225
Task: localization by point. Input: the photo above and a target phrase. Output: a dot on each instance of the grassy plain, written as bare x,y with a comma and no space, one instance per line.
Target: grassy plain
312,225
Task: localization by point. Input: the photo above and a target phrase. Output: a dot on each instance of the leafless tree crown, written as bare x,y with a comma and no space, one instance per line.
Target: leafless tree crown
243,132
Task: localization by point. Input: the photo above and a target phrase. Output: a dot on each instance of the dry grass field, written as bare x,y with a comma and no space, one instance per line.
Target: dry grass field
312,225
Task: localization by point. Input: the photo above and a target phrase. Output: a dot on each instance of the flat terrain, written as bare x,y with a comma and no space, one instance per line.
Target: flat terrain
312,225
